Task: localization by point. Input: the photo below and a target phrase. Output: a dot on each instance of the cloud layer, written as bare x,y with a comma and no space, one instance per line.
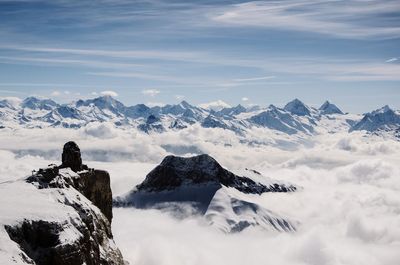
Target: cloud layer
348,208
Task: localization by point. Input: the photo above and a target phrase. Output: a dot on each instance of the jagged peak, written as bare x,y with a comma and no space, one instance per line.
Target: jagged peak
34,102
325,104
329,108
297,107
384,109
185,104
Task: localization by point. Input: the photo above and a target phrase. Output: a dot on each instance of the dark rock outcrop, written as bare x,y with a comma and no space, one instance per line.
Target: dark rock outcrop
177,171
88,192
71,157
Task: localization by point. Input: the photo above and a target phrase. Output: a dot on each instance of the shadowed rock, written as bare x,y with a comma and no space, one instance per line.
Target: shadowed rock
71,157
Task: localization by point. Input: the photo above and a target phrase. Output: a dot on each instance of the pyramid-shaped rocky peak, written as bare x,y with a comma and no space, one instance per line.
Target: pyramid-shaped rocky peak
329,108
297,107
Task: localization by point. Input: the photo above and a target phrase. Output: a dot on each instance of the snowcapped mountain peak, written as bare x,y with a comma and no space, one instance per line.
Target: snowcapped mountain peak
38,104
329,108
384,109
231,111
11,103
104,102
281,120
381,119
184,104
272,107
297,107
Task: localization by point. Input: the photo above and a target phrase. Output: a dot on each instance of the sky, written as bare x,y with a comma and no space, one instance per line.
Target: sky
158,51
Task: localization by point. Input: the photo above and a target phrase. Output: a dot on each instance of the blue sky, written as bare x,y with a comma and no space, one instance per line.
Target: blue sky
157,51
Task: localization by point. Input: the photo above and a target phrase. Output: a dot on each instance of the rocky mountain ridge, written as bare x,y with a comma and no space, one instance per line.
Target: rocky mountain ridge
294,118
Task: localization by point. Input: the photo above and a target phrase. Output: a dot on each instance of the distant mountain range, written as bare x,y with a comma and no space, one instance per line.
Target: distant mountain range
296,117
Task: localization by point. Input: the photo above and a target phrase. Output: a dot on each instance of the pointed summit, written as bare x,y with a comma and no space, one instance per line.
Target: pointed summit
381,119
105,102
185,104
384,109
298,108
231,111
329,108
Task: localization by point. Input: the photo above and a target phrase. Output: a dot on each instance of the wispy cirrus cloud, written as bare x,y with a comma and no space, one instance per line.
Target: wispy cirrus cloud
353,19
391,60
254,79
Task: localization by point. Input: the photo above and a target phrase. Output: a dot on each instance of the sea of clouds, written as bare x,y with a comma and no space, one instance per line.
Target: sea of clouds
348,207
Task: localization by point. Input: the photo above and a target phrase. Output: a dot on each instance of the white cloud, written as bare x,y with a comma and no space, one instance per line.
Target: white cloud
245,99
392,60
325,17
348,203
101,130
215,105
55,93
254,79
109,93
150,92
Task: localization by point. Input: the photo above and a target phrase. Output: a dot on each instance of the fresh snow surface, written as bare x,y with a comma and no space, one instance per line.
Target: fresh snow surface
23,201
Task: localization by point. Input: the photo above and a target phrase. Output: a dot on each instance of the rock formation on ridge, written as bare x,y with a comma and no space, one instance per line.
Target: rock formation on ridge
78,228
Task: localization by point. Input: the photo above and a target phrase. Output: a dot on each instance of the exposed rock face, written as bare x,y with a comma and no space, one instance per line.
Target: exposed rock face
298,108
83,238
95,185
329,108
71,157
176,171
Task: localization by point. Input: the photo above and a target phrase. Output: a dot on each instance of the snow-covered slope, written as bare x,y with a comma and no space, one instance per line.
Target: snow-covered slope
280,120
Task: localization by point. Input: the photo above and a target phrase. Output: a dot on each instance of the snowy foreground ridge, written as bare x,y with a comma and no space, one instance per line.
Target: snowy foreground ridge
60,215
295,117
